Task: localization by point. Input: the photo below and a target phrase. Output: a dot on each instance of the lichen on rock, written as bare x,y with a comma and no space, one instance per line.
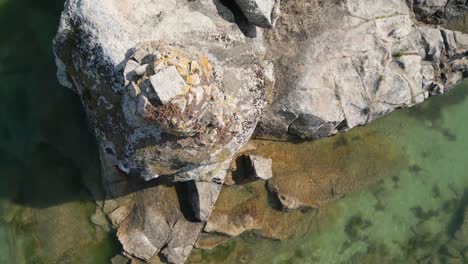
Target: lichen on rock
181,93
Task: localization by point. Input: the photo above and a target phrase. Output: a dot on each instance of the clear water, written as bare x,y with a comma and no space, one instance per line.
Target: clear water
46,152
45,148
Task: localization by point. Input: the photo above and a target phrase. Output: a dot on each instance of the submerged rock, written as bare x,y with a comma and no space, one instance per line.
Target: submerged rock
210,241
119,259
305,176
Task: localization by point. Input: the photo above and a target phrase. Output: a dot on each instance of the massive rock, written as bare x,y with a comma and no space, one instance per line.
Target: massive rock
173,89
149,130
345,70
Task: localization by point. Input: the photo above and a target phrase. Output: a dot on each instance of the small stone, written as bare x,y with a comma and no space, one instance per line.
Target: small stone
143,102
133,89
198,92
210,241
129,73
194,67
218,121
159,65
261,167
119,259
189,99
99,219
180,102
229,181
168,84
141,69
258,12
193,79
207,90
203,197
174,62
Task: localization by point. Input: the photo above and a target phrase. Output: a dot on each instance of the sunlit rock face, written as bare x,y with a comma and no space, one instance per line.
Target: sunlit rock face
188,98
346,70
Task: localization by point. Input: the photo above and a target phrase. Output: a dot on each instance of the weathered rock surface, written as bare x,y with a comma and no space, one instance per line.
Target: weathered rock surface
352,68
157,121
173,89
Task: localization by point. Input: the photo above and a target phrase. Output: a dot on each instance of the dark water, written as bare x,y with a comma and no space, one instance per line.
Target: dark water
45,148
47,153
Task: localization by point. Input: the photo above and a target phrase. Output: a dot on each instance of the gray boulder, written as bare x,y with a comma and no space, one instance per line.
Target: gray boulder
258,12
261,167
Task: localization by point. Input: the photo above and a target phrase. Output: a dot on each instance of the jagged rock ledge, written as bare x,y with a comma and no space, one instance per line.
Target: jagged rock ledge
174,89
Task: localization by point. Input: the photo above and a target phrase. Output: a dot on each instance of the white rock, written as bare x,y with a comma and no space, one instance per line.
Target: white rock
167,84
141,69
261,167
180,102
198,92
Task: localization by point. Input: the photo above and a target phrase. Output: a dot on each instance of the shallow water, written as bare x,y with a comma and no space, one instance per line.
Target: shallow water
46,151
408,217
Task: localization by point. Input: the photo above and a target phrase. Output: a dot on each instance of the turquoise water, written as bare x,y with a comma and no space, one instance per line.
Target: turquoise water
47,153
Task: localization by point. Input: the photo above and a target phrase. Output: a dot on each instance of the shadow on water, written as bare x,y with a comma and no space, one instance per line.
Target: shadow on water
46,150
45,146
432,109
458,216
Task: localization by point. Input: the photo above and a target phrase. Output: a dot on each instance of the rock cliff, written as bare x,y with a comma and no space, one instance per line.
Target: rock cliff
174,89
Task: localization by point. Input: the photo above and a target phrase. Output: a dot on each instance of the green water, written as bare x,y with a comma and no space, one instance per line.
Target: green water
46,153
45,148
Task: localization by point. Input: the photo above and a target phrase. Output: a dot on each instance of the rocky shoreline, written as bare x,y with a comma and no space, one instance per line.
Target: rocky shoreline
174,90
